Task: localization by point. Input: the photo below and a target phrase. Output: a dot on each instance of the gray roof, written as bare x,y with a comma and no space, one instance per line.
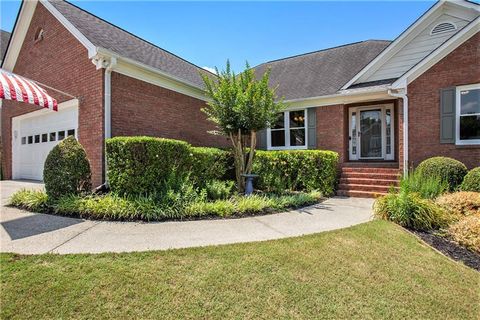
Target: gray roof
4,38
321,72
105,35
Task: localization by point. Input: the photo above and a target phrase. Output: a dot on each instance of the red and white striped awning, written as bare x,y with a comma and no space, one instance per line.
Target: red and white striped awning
17,88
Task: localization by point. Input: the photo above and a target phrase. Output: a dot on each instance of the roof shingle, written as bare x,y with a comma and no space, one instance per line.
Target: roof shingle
321,72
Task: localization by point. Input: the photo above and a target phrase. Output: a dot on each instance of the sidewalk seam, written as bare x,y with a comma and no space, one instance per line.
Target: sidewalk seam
270,227
68,240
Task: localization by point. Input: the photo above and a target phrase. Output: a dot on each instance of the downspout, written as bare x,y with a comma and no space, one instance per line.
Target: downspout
402,93
108,63
108,109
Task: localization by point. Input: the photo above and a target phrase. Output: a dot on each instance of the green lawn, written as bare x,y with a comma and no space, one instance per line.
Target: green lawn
374,270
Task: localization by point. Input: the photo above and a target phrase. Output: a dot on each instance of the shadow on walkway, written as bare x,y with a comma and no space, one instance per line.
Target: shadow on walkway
36,224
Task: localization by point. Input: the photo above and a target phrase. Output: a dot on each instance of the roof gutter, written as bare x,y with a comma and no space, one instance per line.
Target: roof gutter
402,94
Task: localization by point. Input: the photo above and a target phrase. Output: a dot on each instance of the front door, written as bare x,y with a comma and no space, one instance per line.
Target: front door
371,133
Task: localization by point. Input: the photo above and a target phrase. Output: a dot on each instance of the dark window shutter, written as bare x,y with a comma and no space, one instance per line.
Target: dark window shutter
312,128
447,115
262,140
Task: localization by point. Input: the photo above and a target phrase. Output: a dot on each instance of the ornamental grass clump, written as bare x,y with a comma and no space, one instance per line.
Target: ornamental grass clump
32,200
466,232
460,204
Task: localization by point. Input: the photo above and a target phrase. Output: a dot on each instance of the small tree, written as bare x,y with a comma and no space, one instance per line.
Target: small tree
240,106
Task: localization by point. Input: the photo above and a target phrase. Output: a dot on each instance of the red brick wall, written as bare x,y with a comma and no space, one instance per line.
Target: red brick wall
332,128
460,67
59,61
141,108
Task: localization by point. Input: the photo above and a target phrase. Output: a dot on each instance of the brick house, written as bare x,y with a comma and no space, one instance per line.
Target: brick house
383,106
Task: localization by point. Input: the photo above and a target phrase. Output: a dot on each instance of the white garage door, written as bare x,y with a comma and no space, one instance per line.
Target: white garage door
35,134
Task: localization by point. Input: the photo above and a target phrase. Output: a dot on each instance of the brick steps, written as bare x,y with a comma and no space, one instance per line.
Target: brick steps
367,181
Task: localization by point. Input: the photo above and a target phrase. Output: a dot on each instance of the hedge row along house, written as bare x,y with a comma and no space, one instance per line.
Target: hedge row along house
383,106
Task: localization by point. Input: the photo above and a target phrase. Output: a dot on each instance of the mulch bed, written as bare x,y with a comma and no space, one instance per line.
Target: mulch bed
450,249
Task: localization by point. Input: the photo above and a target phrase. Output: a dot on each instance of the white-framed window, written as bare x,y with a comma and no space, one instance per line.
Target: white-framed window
290,131
468,114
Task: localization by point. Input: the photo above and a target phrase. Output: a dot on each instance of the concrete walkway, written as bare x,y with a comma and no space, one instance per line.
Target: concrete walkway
30,233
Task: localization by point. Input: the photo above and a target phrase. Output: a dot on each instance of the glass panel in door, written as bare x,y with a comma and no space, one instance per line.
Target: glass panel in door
371,133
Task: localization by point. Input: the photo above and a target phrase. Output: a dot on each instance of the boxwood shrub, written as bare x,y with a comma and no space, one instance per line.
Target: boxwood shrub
297,170
208,164
67,170
450,170
139,165
471,182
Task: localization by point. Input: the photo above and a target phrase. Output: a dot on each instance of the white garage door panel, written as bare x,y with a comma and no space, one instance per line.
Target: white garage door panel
35,134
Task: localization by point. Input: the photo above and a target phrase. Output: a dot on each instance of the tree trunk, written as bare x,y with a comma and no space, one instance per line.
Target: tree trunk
239,159
251,154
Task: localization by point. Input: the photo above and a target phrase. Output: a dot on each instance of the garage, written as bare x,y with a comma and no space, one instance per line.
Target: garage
35,134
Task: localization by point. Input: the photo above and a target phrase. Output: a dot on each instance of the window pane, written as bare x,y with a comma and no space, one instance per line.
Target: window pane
53,136
469,127
24,140
470,101
61,135
280,124
297,119
278,138
37,138
354,133
71,132
297,137
44,137
388,123
30,139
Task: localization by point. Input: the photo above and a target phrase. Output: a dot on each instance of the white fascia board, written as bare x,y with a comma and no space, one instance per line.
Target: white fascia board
340,98
410,33
19,34
61,106
441,52
92,50
154,76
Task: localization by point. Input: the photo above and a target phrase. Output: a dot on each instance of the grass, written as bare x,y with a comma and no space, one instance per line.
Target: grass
373,270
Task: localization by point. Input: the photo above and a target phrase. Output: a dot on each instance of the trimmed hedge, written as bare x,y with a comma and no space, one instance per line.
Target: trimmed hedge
140,165
450,170
298,170
67,170
471,182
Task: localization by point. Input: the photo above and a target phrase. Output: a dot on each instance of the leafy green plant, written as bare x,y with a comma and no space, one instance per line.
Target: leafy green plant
450,170
208,164
217,189
240,106
67,170
32,200
410,210
471,182
297,170
428,187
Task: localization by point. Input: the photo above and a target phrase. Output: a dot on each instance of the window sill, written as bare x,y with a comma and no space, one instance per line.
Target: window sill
467,146
286,148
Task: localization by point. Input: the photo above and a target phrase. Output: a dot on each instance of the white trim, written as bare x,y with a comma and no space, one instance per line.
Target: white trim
19,34
412,31
61,106
383,108
286,130
92,50
475,86
451,44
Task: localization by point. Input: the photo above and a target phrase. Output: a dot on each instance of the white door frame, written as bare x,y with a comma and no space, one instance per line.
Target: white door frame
354,137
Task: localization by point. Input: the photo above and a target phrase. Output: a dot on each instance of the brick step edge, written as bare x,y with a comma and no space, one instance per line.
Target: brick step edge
364,187
371,170
359,194
365,175
368,181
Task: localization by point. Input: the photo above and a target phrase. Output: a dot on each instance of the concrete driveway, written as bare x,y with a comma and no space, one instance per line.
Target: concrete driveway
32,233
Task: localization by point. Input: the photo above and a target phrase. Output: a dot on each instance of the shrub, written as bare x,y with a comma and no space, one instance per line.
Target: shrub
300,170
208,164
217,189
471,182
460,203
32,200
139,165
450,170
427,187
467,232
410,210
67,170
219,208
